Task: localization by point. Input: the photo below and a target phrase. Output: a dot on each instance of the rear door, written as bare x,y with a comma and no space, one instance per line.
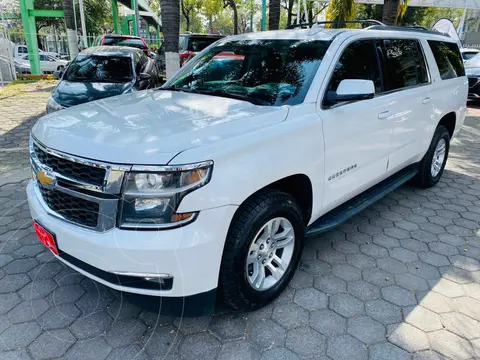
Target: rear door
357,134
407,89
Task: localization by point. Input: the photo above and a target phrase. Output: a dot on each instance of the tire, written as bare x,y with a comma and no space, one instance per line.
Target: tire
236,284
60,67
426,177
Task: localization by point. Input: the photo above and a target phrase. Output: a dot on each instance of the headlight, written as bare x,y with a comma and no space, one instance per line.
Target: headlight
151,198
52,105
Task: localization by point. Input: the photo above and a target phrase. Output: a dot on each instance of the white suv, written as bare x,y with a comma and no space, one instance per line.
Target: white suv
211,183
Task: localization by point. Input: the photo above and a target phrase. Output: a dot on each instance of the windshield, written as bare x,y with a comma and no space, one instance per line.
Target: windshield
118,41
468,55
100,69
473,62
264,72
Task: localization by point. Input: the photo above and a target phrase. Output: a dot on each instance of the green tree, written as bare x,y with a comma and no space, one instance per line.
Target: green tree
233,5
212,8
341,10
223,22
189,9
98,16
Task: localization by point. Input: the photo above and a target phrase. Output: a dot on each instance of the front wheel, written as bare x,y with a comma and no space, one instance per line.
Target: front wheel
433,163
262,250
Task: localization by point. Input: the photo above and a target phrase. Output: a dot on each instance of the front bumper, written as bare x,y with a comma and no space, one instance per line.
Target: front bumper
189,255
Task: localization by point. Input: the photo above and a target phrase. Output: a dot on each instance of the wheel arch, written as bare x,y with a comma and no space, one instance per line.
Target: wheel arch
449,120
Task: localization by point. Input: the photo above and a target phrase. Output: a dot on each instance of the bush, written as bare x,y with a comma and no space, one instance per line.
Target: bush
36,77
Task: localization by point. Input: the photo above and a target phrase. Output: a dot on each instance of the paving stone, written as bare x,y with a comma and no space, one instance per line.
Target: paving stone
11,283
286,297
476,346
189,325
407,337
346,247
435,302
374,251
306,342
331,256
450,239
37,289
52,344
422,318
346,305
93,301
461,325
121,309
450,345
290,316
4,324
434,259
327,322
346,347
301,280
91,349
161,341
377,277
311,299
67,293
383,311
238,350
467,306
414,245
472,290
360,261
425,271
59,316
403,255
131,352
428,355
315,267
46,271
455,274
387,351
363,290
330,284
346,272
229,326
392,266
125,331
279,354
19,335
465,263
8,302
443,249
447,288
91,325
423,236
411,282
5,259
266,335
366,329
28,311
398,296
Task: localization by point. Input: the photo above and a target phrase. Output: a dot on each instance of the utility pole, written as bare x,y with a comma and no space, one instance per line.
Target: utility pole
136,28
82,20
264,15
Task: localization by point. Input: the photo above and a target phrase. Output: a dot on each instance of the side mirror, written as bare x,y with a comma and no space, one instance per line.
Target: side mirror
144,77
352,90
58,74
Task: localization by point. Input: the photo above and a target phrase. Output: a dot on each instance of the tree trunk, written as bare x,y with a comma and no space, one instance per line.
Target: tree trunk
273,14
170,13
70,25
290,11
235,17
186,14
390,12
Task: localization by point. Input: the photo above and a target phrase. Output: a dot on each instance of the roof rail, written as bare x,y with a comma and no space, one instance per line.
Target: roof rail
369,22
405,28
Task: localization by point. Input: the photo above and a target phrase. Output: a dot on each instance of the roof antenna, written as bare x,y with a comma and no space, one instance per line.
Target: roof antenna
316,27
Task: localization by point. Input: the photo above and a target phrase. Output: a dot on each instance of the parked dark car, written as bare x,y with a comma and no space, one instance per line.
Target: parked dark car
104,71
472,70
189,46
123,40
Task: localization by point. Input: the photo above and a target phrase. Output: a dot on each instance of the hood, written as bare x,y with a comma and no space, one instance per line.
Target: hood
150,127
69,93
472,71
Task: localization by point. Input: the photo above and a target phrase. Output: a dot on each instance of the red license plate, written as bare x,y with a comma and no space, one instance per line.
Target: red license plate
46,237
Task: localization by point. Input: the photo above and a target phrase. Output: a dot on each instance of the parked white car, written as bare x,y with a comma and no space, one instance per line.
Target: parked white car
212,182
20,51
48,64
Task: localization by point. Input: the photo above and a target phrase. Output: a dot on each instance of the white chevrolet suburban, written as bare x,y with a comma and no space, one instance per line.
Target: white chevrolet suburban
210,184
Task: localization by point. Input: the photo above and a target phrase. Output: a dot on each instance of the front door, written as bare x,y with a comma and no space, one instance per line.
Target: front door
357,134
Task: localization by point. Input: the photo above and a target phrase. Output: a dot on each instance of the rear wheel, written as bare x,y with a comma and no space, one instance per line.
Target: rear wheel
262,250
433,163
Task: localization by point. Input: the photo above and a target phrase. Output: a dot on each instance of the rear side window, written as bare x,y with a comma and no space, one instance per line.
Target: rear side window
118,41
358,61
448,59
403,64
197,44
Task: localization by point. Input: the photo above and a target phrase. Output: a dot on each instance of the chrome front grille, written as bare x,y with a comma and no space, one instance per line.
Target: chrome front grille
76,190
74,170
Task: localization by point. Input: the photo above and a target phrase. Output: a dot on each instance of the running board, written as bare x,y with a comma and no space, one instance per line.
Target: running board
360,202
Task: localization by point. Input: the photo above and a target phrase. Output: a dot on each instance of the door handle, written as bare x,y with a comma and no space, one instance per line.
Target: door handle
427,100
385,114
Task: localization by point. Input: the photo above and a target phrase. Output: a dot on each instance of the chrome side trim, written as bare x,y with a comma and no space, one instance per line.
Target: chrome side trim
144,275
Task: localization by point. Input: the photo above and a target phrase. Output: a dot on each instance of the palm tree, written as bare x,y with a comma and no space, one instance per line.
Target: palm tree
71,30
341,10
390,11
170,13
273,14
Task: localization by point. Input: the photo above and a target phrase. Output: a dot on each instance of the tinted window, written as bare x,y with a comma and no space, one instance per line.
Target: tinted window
358,61
448,58
22,50
468,55
264,72
118,41
403,64
198,44
100,69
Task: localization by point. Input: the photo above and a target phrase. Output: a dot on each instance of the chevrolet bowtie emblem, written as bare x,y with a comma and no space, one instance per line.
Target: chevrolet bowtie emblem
45,178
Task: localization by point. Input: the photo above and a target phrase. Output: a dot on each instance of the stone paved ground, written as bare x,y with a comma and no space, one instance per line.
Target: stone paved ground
399,281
